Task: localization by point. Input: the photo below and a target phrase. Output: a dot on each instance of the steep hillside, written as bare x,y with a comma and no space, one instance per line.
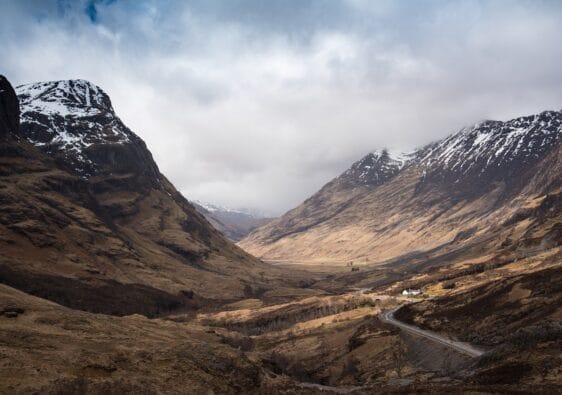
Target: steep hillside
89,221
234,224
491,183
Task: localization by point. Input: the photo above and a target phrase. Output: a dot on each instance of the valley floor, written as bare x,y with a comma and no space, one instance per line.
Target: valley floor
319,341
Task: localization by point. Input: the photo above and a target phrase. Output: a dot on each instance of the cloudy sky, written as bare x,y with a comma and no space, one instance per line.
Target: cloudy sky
259,103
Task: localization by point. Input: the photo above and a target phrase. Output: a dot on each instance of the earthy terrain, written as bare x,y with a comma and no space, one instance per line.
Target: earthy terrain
52,349
320,344
519,319
111,282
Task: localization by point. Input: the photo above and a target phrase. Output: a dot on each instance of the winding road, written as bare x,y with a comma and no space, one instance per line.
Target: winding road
464,348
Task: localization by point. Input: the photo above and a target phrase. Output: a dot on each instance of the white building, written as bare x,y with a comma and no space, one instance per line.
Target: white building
411,292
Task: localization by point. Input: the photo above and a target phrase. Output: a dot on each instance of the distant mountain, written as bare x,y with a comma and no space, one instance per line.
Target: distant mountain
234,224
89,221
494,180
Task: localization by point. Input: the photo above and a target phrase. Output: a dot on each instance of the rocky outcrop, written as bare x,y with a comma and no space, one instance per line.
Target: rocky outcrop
9,109
374,169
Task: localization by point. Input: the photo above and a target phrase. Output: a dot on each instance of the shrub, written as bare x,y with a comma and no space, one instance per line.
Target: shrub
449,285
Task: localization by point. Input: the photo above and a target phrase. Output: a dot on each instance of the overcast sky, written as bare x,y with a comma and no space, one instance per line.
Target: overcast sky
259,103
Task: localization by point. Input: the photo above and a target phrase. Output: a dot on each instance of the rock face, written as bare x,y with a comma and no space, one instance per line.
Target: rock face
9,109
88,220
494,178
374,169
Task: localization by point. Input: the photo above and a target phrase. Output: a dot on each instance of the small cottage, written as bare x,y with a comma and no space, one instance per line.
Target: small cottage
411,292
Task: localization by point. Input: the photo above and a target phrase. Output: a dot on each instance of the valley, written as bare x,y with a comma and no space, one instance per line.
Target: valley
112,282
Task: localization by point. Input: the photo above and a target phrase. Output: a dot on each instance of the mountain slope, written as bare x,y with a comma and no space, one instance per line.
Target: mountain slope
493,179
89,221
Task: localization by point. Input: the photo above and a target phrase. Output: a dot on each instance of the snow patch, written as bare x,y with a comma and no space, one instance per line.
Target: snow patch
496,143
69,116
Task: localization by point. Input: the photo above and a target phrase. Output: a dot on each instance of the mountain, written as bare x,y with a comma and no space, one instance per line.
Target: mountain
234,224
88,220
489,185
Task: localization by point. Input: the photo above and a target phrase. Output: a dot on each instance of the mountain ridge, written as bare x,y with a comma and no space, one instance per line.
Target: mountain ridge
110,234
487,171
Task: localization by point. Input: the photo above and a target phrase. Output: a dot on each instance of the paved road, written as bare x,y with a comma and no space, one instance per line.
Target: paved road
464,348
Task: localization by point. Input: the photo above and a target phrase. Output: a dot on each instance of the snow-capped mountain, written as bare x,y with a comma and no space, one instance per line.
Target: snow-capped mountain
78,98
75,121
493,149
89,222
215,208
387,205
233,223
487,150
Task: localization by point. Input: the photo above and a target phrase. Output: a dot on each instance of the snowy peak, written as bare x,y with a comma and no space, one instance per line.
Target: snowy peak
486,152
375,168
213,208
234,224
71,119
63,98
494,148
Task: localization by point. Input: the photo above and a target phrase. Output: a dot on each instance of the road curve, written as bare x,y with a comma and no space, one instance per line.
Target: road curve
464,348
